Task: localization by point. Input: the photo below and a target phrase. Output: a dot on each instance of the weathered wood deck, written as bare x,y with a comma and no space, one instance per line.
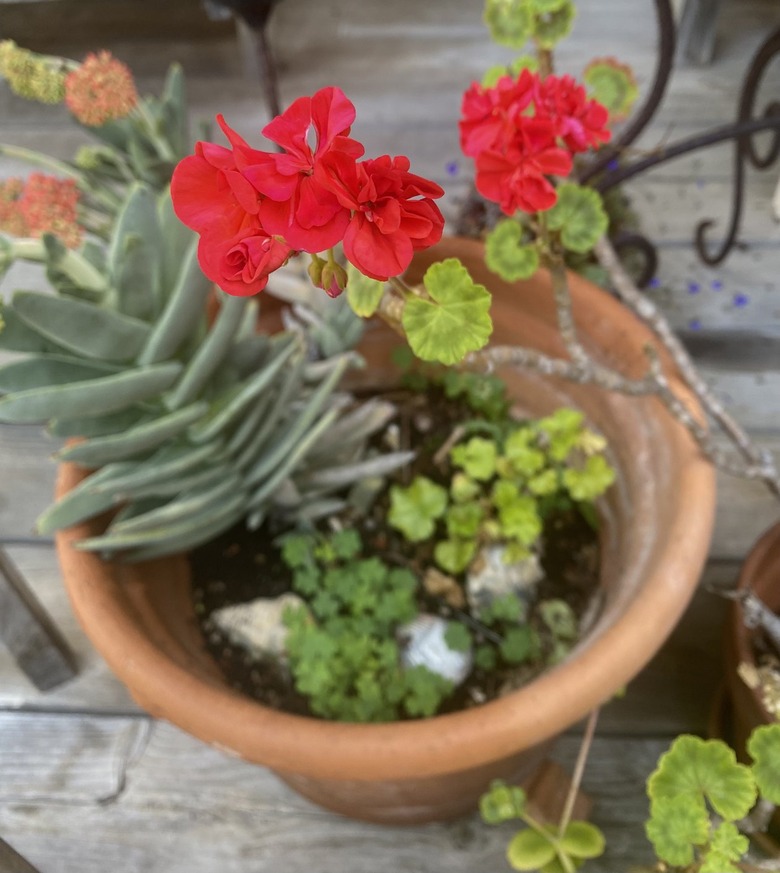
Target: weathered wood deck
88,783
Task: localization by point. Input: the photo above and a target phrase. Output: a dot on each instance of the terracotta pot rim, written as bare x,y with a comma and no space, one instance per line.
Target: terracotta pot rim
424,747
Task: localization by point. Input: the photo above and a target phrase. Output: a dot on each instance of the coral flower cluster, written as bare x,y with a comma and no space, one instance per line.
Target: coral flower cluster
523,130
255,208
102,89
42,204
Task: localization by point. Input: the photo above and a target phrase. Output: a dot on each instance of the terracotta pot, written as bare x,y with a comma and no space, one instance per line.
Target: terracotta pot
761,575
658,517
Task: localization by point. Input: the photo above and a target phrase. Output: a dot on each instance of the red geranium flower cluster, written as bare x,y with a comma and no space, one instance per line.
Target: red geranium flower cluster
253,209
523,130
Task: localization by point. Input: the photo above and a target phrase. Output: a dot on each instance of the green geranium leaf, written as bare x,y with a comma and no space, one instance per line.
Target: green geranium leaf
414,510
727,845
530,850
543,484
454,556
583,840
613,85
511,22
580,217
675,826
477,457
764,748
520,520
695,770
525,457
463,488
542,7
463,520
563,430
506,255
455,321
591,480
493,74
363,294
501,803
551,27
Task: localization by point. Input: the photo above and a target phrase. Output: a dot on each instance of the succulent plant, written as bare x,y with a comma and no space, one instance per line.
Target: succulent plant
188,429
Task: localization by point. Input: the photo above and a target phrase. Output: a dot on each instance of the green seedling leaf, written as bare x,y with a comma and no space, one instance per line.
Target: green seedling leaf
518,644
363,293
543,7
520,520
589,481
455,321
457,637
502,803
583,840
506,255
559,618
454,556
675,826
551,27
530,850
463,520
414,510
764,748
519,450
580,217
699,770
511,22
463,488
477,457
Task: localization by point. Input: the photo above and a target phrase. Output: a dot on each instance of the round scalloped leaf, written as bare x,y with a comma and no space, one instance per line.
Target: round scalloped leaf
414,510
591,480
530,850
506,255
477,458
613,85
543,7
511,22
494,73
363,293
764,748
696,769
501,803
551,27
454,556
727,845
580,217
583,840
455,321
675,826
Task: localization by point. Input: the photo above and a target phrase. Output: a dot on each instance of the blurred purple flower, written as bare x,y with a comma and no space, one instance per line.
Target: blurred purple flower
740,300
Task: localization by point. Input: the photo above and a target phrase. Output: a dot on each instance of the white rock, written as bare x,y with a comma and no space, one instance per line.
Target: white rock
257,625
424,645
491,577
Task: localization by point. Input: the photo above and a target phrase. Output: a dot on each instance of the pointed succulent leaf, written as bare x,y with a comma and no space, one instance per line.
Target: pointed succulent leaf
134,441
502,803
40,371
174,110
511,22
764,748
530,850
105,394
455,321
69,272
17,336
696,769
363,293
583,840
183,312
134,255
551,27
178,241
506,255
415,509
579,215
98,425
83,328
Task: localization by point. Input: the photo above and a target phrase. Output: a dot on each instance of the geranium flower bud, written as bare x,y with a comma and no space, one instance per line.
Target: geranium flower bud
333,279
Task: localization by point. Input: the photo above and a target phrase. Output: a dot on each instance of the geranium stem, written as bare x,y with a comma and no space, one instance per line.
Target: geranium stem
579,770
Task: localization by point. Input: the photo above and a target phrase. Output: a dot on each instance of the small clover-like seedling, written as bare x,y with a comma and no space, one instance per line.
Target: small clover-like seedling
415,509
540,846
